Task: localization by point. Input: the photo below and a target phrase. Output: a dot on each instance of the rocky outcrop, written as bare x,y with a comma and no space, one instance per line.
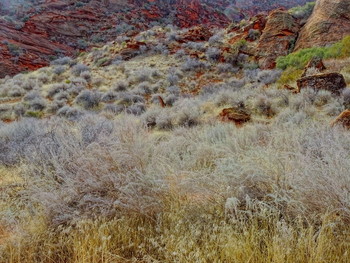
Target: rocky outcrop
23,51
238,116
49,28
196,34
333,82
278,38
343,119
329,23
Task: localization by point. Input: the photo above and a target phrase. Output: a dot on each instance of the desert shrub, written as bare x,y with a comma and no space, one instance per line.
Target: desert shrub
305,99
264,106
136,109
124,28
160,49
16,91
141,75
172,36
213,54
174,90
5,112
291,117
302,12
236,84
62,61
113,108
225,97
193,65
29,84
323,97
209,90
44,77
121,86
226,68
300,58
70,113
127,98
188,113
333,108
253,34
97,82
173,79
37,104
290,76
78,69
165,119
74,90
171,99
196,46
55,106
251,75
56,88
59,70
86,75
63,95
216,39
268,76
32,95
144,88
88,99
346,98
110,96
180,53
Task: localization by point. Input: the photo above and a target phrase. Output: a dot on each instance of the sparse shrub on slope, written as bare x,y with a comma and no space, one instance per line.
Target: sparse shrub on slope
302,12
88,99
78,69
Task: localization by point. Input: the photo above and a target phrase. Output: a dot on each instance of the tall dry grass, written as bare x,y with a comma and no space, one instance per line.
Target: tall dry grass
100,190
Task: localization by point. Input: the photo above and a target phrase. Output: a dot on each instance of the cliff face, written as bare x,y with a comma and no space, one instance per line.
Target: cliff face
34,31
279,34
329,23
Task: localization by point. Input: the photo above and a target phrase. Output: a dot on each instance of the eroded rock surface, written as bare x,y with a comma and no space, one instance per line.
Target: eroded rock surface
333,82
329,23
278,38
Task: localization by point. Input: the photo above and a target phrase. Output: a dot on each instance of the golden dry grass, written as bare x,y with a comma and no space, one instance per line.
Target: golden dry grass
187,231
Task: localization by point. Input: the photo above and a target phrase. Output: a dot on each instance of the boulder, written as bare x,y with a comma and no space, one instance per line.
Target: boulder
277,39
333,82
343,119
196,34
329,23
238,116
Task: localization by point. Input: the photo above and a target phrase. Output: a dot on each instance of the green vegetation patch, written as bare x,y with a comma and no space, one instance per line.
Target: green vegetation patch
300,58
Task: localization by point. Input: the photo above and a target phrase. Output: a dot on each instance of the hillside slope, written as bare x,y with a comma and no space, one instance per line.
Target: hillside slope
33,32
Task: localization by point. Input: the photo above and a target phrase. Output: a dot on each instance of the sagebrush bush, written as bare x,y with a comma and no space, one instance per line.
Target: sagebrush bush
57,88
88,99
213,54
78,69
63,61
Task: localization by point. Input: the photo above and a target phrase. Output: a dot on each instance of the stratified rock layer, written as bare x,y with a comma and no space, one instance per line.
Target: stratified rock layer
329,23
278,38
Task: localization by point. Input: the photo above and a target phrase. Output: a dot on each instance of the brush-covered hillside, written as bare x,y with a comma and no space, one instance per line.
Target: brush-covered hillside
197,144
35,32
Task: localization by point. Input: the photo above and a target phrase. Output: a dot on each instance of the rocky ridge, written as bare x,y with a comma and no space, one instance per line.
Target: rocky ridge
38,31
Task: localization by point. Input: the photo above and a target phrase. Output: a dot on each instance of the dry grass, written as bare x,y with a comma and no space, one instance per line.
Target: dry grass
112,191
185,232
